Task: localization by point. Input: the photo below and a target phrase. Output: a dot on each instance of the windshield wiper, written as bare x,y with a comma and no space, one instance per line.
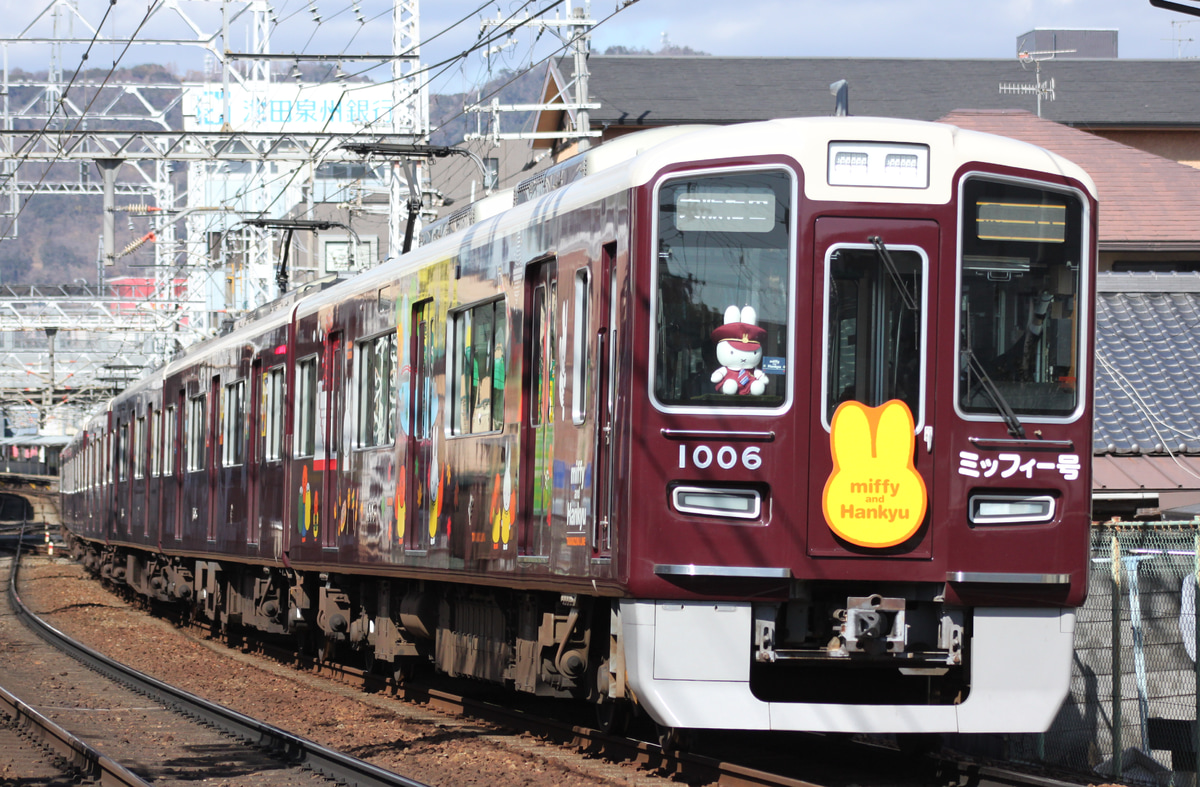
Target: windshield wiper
889,264
1006,412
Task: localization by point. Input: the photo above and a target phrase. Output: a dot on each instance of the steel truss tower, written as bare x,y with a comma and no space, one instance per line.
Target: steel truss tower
57,120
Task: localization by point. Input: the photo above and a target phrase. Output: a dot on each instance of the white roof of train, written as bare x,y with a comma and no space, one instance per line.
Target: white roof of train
633,160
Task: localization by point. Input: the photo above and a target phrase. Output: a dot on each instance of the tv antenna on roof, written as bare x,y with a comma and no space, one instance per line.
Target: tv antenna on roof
1039,88
1177,39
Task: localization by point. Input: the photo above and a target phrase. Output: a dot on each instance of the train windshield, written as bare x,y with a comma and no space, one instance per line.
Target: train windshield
876,326
1020,313
722,288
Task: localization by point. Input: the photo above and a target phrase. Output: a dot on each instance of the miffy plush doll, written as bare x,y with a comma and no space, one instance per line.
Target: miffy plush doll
739,351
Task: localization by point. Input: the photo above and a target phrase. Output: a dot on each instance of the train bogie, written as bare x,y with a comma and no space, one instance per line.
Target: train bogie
777,426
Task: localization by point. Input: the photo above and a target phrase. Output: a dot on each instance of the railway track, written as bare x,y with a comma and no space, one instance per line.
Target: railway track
35,747
733,759
783,760
141,736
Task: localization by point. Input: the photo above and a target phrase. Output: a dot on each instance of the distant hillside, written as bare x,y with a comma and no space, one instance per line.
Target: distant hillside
451,123
56,242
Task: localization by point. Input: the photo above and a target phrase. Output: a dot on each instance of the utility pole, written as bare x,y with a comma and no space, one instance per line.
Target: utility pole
232,146
410,119
48,391
575,31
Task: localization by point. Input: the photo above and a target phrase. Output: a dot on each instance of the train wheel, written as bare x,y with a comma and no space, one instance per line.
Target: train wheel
919,744
673,740
325,649
613,716
403,670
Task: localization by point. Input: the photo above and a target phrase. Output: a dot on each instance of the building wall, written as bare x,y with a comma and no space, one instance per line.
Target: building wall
461,180
1178,145
1149,260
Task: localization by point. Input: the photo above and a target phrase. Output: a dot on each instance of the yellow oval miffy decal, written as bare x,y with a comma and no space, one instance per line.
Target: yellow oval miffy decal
874,497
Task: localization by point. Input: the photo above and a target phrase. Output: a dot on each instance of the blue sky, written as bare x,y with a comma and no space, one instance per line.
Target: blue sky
847,28
851,28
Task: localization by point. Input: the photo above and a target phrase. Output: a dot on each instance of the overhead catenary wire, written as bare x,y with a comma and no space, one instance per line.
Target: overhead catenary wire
427,74
293,173
150,10
446,63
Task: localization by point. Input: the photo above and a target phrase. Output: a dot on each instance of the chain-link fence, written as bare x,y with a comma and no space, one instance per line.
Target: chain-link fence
1140,729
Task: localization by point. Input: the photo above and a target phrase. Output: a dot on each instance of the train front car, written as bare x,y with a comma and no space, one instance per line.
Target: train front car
859,484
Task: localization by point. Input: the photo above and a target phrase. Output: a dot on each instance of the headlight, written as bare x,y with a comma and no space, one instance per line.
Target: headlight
734,503
1011,509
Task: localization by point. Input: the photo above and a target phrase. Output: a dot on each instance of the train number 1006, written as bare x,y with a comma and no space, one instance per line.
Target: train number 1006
726,457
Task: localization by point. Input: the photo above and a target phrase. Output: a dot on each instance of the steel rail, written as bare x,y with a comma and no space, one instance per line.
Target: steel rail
73,750
292,748
685,765
688,766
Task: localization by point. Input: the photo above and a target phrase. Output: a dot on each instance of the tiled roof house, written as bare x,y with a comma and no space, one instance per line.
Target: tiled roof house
1151,104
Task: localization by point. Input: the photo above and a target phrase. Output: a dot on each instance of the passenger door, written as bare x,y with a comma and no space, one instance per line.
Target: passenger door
538,396
254,449
871,481
605,401
420,469
332,495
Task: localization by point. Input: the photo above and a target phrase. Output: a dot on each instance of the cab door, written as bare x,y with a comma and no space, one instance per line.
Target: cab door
872,463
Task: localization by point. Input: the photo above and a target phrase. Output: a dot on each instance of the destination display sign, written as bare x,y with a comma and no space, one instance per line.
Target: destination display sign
1023,221
722,210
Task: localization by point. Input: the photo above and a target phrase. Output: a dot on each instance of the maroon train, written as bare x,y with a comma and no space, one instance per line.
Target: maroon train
783,425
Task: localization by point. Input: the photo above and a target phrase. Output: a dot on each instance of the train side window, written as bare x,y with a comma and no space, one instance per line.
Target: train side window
195,434
580,373
168,451
724,245
479,338
541,367
272,414
123,453
155,443
306,407
139,448
233,424
376,390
